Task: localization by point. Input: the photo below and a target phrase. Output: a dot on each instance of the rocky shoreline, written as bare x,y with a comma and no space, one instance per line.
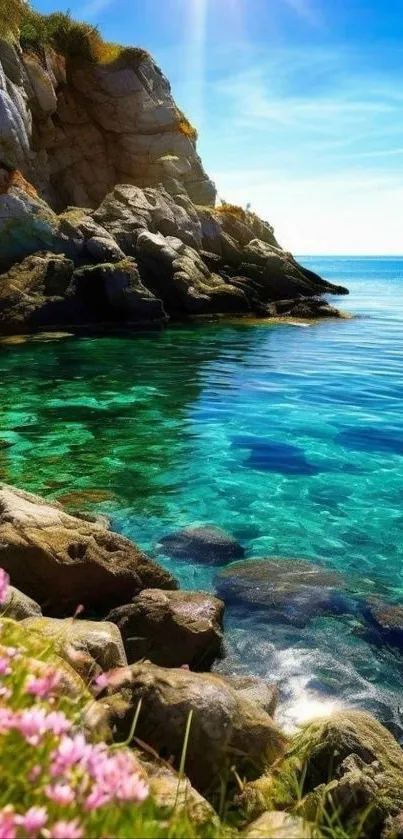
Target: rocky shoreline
109,609
107,217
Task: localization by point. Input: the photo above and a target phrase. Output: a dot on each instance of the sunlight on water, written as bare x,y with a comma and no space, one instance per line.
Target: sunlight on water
289,439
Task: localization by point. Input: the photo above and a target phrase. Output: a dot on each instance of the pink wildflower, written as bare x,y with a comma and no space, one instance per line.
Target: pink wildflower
58,723
102,681
7,823
7,719
5,668
61,794
4,583
66,830
97,798
43,685
34,820
70,750
132,788
34,773
32,724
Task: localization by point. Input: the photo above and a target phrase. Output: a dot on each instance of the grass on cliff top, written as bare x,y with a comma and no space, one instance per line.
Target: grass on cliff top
244,215
72,39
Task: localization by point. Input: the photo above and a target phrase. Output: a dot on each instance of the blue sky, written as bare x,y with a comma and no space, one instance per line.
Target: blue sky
299,105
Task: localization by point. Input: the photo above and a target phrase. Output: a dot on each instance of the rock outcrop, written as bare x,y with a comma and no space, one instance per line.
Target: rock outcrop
88,646
77,127
100,178
226,729
172,628
63,562
347,766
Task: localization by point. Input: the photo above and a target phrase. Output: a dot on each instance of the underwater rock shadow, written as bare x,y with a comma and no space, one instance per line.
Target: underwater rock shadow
275,456
372,439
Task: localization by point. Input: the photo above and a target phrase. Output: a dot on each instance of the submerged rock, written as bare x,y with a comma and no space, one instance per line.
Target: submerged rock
286,590
209,545
384,622
62,561
171,628
88,646
225,729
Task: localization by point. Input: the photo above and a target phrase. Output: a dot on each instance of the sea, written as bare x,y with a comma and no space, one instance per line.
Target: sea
287,436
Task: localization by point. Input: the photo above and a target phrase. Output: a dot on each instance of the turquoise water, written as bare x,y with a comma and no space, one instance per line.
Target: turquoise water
196,425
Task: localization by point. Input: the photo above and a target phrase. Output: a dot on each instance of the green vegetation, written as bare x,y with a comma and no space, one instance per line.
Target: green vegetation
11,12
72,39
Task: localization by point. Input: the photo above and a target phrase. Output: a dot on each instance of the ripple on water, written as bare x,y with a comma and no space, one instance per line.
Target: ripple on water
288,439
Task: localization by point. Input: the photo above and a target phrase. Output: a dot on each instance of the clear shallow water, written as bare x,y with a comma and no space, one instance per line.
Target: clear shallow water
195,425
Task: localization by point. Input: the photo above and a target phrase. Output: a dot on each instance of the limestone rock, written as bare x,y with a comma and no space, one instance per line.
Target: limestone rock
76,128
168,791
62,561
34,292
286,590
179,276
278,825
254,689
86,645
18,606
114,293
171,628
224,728
207,544
349,763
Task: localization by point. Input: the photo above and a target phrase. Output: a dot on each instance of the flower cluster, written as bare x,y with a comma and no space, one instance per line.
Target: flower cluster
62,783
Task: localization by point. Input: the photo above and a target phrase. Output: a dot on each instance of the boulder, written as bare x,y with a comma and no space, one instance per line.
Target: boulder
224,729
36,292
18,606
114,293
285,590
177,274
384,622
347,764
87,645
177,794
254,689
171,628
278,825
62,561
208,545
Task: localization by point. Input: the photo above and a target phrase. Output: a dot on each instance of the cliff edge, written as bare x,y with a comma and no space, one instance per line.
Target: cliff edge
104,202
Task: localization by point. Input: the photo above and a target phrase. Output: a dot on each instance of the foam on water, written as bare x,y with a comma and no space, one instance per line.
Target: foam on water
290,439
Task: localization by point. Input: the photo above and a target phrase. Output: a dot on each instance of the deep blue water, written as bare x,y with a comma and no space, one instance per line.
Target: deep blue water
290,438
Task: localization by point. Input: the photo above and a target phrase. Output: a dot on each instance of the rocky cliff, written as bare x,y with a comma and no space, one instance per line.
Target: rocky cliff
104,196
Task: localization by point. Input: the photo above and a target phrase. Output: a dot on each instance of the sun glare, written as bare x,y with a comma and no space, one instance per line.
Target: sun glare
205,19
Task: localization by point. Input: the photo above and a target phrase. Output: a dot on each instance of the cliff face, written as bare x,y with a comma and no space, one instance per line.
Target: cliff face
105,202
76,128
